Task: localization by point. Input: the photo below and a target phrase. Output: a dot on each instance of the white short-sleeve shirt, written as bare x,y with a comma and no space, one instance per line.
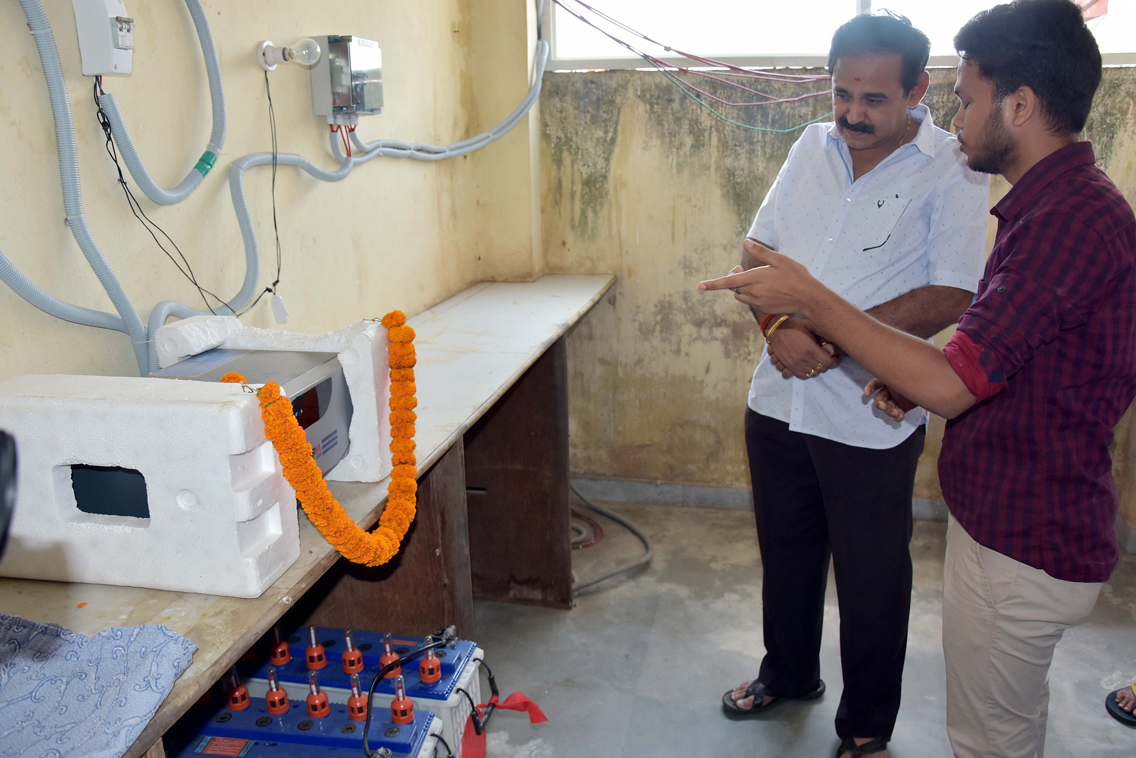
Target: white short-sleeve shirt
916,219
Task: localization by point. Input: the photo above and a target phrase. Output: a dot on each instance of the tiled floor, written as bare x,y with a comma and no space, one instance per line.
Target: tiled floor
636,670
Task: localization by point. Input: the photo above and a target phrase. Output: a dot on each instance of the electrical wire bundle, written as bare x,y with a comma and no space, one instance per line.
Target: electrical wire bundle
136,207
271,289
581,588
725,75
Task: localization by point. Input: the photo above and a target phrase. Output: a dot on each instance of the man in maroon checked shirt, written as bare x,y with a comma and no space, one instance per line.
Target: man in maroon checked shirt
1042,367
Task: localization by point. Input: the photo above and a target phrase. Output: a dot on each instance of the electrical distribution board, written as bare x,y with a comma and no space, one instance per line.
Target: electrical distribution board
347,81
106,37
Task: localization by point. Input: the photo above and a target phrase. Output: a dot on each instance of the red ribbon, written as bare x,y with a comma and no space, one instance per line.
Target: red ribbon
473,744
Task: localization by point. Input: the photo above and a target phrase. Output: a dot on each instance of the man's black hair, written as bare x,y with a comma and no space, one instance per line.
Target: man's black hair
884,33
1040,44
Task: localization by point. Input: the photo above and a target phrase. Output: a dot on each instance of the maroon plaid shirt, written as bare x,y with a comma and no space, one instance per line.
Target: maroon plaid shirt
1027,471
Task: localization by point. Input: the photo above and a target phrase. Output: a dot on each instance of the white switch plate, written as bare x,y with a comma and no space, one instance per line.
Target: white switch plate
106,37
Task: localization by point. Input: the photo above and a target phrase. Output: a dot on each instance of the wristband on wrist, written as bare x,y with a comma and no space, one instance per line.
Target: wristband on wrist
765,322
780,320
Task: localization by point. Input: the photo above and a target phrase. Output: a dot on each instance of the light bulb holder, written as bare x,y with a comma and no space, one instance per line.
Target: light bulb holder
269,56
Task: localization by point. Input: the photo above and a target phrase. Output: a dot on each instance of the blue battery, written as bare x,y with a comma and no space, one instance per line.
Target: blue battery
191,736
370,644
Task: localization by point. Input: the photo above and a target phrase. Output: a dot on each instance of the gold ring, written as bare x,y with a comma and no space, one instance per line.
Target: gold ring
820,367
811,374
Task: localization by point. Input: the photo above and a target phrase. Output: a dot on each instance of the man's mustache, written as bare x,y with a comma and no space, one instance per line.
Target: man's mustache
864,128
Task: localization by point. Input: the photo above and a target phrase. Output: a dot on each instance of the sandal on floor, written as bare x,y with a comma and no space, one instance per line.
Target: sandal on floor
1116,711
850,749
757,691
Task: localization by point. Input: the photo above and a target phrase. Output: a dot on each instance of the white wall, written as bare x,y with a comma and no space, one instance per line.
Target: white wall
395,234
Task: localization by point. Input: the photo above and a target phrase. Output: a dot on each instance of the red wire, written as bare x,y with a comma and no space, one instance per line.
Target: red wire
338,128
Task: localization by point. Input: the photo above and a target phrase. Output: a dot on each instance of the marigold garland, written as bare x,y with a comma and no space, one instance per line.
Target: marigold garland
300,469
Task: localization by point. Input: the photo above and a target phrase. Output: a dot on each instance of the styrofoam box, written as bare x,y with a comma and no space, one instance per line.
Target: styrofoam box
453,712
221,518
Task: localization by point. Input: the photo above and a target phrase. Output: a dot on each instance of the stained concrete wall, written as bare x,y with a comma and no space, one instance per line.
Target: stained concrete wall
642,182
395,233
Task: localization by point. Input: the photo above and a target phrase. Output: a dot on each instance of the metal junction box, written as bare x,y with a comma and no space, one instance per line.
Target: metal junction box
348,78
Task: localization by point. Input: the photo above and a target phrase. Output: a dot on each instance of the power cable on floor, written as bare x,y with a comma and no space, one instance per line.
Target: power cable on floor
592,584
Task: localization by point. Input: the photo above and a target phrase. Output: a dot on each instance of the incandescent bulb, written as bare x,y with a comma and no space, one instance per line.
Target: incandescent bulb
305,51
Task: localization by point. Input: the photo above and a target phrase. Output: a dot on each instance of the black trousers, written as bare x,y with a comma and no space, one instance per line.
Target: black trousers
814,498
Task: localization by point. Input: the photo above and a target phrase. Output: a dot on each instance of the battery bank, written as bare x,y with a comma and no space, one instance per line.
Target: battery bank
458,664
255,732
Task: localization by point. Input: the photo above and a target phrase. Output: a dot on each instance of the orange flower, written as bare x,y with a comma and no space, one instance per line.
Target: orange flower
402,417
400,446
408,486
300,469
404,403
401,334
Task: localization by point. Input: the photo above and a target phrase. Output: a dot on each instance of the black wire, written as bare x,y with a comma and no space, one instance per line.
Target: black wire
275,226
481,722
448,637
449,752
136,209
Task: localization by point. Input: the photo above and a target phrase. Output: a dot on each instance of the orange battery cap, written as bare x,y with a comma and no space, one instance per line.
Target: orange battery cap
316,656
276,698
317,700
402,707
280,654
357,703
430,669
237,693
352,658
389,656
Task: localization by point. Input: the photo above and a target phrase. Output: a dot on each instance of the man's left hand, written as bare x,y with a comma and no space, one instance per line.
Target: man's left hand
778,285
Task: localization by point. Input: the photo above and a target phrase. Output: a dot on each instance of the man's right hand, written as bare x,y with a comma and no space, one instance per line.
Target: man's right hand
794,350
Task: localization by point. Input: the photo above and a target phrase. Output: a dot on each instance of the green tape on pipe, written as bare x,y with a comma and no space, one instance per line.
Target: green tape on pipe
205,162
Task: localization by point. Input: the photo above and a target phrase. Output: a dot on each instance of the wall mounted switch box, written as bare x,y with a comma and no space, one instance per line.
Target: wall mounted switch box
106,37
347,81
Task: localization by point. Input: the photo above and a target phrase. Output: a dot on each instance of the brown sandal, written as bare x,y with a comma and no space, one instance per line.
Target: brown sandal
757,691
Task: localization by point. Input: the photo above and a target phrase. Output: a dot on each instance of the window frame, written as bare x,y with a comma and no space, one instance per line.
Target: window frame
556,63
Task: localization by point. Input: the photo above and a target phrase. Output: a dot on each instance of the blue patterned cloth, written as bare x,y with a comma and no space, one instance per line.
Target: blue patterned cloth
64,694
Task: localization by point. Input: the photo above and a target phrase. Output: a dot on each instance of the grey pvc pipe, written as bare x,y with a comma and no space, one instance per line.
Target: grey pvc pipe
126,146
53,306
423,152
72,196
392,148
167,308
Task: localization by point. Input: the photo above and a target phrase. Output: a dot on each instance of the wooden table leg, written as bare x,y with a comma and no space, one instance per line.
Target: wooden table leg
423,588
516,460
157,750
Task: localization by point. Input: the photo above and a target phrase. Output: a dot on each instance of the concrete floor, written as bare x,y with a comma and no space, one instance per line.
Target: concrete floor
637,669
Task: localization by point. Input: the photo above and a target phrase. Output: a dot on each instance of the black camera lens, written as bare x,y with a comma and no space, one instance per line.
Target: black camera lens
7,485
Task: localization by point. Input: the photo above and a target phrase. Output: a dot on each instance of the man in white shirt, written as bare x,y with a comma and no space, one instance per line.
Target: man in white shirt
880,206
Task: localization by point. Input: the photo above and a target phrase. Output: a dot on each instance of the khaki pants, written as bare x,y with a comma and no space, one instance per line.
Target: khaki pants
1001,621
